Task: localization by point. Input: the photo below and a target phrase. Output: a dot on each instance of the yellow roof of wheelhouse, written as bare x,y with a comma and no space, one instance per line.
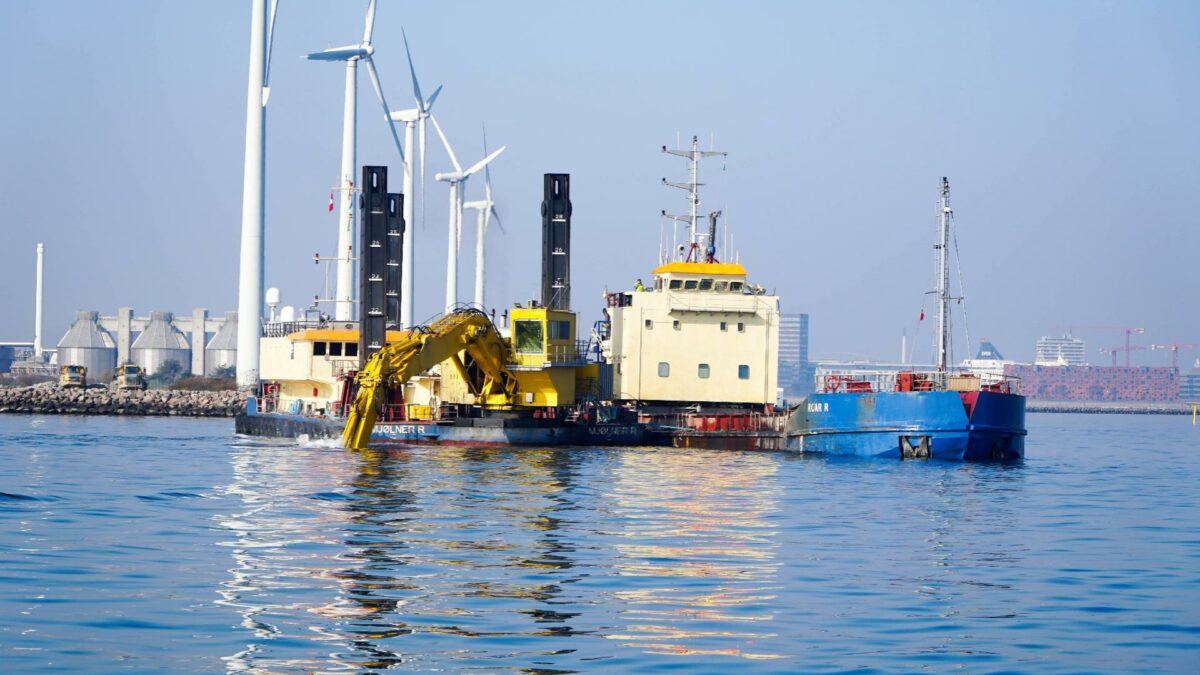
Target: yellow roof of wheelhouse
716,269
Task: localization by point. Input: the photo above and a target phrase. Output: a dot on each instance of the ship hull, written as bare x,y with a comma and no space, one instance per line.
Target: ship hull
467,432
946,425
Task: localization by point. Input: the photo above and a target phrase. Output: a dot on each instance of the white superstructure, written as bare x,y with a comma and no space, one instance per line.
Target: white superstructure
699,333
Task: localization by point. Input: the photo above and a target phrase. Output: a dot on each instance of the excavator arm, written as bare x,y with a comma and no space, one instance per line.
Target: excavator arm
484,368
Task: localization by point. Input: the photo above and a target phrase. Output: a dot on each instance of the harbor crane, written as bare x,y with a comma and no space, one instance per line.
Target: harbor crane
1128,330
1175,347
1127,349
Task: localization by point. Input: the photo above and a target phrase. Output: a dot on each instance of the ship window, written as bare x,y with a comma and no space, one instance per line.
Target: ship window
702,371
675,324
706,284
743,372
318,349
527,336
664,369
735,286
676,284
335,349
724,326
560,330
649,324
351,349
741,327
721,286
690,285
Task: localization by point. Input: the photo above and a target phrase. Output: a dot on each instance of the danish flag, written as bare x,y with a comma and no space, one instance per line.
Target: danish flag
330,202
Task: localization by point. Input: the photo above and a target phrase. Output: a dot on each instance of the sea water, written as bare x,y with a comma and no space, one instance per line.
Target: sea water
170,545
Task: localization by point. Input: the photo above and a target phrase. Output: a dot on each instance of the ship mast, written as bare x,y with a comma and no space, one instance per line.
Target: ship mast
693,157
943,276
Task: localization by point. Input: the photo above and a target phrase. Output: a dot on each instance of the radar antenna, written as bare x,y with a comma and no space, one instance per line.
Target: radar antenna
693,157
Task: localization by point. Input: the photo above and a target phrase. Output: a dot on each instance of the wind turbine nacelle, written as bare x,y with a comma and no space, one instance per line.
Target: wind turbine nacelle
410,115
452,176
342,53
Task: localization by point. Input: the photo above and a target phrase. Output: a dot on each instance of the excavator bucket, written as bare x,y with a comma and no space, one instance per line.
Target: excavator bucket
357,433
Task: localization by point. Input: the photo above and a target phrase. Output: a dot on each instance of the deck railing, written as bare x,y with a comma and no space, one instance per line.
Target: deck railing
892,380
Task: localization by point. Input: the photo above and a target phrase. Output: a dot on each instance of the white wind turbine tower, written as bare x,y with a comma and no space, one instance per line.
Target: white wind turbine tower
485,209
411,117
250,267
352,54
457,180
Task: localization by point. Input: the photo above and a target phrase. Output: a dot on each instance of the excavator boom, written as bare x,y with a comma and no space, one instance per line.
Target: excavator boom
485,368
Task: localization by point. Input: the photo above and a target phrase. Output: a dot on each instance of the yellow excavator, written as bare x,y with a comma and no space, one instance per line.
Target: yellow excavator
463,333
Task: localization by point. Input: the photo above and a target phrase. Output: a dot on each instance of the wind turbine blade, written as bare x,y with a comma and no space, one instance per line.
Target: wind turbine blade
429,103
497,217
270,43
487,170
370,27
450,151
413,71
387,115
483,162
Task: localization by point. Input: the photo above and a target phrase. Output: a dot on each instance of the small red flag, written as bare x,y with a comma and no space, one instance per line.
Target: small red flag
920,319
331,202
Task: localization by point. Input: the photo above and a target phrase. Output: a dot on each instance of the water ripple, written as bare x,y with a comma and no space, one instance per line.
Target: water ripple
271,556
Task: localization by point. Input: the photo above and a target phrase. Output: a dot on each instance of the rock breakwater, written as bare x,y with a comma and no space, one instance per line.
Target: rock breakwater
54,400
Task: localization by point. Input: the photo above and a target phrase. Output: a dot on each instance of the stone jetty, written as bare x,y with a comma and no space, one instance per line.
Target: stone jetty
1111,407
54,400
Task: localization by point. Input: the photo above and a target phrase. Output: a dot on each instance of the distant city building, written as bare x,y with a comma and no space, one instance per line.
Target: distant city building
1189,385
1066,350
1096,383
796,372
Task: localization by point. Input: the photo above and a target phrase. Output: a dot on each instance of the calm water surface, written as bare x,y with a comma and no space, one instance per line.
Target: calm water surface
170,545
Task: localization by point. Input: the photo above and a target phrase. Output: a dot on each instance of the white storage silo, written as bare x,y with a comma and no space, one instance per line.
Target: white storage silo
159,343
221,351
87,344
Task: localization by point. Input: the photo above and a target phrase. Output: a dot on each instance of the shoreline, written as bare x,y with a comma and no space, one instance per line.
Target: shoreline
53,400
1109,407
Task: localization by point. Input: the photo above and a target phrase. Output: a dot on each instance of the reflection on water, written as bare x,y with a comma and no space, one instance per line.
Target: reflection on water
697,551
167,546
439,557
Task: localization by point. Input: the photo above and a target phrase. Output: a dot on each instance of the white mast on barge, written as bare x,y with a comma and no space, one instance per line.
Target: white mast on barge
943,276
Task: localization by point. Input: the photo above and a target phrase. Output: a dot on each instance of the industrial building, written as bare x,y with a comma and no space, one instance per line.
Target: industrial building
99,343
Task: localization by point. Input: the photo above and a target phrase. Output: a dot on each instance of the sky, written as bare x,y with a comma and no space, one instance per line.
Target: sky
1068,131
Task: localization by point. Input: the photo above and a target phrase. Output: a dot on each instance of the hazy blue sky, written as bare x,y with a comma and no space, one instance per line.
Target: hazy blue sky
1069,131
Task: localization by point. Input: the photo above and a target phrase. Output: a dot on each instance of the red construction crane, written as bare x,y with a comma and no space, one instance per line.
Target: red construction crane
1128,330
1127,349
1175,347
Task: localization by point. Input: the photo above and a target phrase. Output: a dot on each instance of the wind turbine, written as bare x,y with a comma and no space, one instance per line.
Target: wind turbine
411,117
457,180
485,209
352,54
